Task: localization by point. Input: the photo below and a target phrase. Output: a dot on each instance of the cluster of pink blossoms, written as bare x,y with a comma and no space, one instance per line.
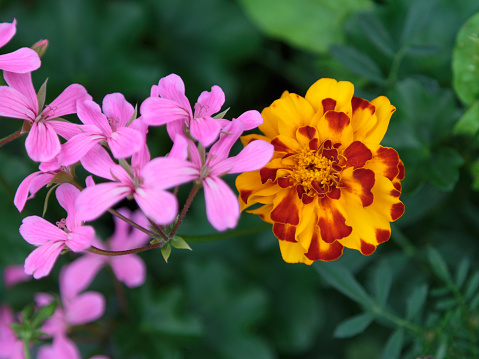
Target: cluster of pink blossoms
110,142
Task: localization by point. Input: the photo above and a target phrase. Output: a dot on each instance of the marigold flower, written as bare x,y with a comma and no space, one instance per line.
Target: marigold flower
330,184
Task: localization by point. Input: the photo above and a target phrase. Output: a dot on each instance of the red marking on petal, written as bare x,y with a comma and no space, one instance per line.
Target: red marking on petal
280,146
337,121
267,174
287,211
367,248
284,232
382,235
306,199
390,158
313,144
299,190
395,193
284,182
359,103
335,193
331,154
402,171
337,145
328,104
332,223
366,179
317,187
325,251
245,195
327,144
307,131
357,154
397,210
398,186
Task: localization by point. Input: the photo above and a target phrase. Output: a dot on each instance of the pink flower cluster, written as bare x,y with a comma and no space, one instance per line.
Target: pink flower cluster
110,142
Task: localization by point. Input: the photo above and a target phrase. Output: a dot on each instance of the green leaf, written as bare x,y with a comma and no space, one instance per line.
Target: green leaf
417,17
286,20
41,95
472,286
465,61
43,314
468,124
475,174
166,251
393,347
376,33
179,243
416,301
444,168
354,325
423,49
358,62
382,283
341,279
438,265
462,271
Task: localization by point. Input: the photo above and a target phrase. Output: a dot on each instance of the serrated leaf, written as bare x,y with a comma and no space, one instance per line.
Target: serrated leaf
354,325
342,279
461,272
166,251
468,124
382,283
358,62
376,33
472,286
438,265
393,346
465,62
416,301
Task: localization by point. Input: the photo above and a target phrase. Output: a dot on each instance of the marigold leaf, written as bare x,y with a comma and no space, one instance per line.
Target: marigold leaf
465,61
423,49
416,301
444,168
354,325
341,279
393,346
438,265
382,283
461,272
417,17
377,33
472,286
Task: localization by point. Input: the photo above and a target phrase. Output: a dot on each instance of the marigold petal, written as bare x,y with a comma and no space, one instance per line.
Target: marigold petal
251,190
264,212
363,118
249,138
332,220
287,207
384,111
331,90
320,250
293,253
284,232
359,183
386,201
385,161
357,154
336,127
305,134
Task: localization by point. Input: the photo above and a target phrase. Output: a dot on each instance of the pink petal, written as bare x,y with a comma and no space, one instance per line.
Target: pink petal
161,206
251,119
180,148
13,275
98,162
80,238
22,60
42,142
175,128
36,230
84,308
66,102
253,157
165,172
172,87
205,130
157,111
61,347
195,157
78,275
23,84
66,129
222,207
66,195
140,158
93,201
210,103
7,31
14,104
41,260
124,142
155,91
221,149
89,113
7,337
115,106
77,147
129,269
23,191
138,238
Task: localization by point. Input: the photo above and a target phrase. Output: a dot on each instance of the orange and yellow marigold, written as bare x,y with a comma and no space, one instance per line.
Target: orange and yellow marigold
330,184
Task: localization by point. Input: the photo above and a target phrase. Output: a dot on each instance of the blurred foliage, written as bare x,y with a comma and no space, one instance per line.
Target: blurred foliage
417,295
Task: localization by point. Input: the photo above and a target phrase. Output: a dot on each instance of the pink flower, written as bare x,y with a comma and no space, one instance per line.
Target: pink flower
52,239
19,100
129,269
13,275
173,108
150,195
222,207
10,346
22,60
110,126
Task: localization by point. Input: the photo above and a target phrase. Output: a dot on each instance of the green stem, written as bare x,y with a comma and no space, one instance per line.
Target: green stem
393,72
398,321
26,349
105,252
187,205
11,137
131,223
